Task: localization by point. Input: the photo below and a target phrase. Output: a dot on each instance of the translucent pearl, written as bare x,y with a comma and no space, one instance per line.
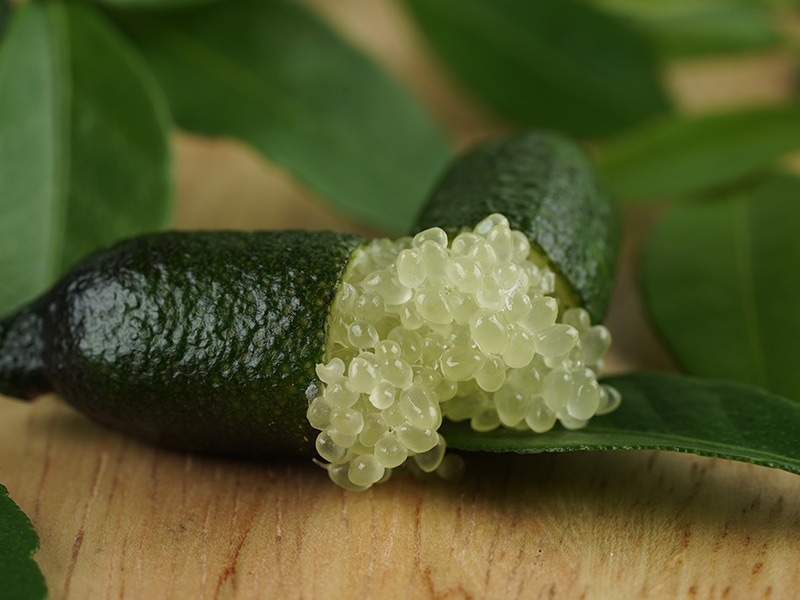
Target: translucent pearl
460,336
387,350
420,408
486,420
337,334
432,347
329,450
500,239
463,306
340,475
429,461
346,298
432,305
463,242
416,439
340,394
347,421
426,376
373,429
491,297
488,332
393,416
518,305
369,308
445,389
465,273
483,253
461,363
462,407
509,276
410,343
527,380
511,405
595,342
389,452
520,349
319,413
411,271
387,286
542,314
485,226
410,317
492,374
363,375
534,277
397,372
383,395
577,317
434,234
557,388
585,397
365,470
557,361
521,245
610,399
330,371
362,336
558,339
569,422
599,367
539,417
547,283
435,258
345,440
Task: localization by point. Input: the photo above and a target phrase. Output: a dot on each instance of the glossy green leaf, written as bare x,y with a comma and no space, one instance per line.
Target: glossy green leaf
552,63
20,577
272,74
686,155
662,411
721,284
684,28
84,158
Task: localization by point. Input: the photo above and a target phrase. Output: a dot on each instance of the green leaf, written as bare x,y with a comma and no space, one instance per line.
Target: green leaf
551,63
662,411
721,285
687,155
84,156
272,74
20,576
689,28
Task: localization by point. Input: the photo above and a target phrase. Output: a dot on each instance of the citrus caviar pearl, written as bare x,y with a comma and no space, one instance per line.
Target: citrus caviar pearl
411,269
466,329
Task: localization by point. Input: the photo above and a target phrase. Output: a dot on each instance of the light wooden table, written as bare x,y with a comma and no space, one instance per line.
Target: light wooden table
121,519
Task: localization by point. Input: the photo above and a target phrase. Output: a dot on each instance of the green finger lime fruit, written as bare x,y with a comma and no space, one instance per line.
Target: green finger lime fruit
295,342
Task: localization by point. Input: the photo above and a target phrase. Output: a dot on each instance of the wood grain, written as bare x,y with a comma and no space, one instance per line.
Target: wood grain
122,519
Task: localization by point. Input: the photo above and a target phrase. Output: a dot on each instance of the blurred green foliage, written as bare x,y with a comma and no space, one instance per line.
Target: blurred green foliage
89,91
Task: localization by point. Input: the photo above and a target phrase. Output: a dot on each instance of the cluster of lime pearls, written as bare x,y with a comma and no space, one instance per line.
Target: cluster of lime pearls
465,329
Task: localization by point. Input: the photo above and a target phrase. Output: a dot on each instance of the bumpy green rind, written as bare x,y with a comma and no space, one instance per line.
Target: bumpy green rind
546,187
202,341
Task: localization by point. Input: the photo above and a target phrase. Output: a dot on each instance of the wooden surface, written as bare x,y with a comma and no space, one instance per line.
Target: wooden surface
121,519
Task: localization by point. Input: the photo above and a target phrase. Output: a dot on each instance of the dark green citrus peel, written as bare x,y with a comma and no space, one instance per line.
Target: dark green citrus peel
210,341
206,341
547,189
